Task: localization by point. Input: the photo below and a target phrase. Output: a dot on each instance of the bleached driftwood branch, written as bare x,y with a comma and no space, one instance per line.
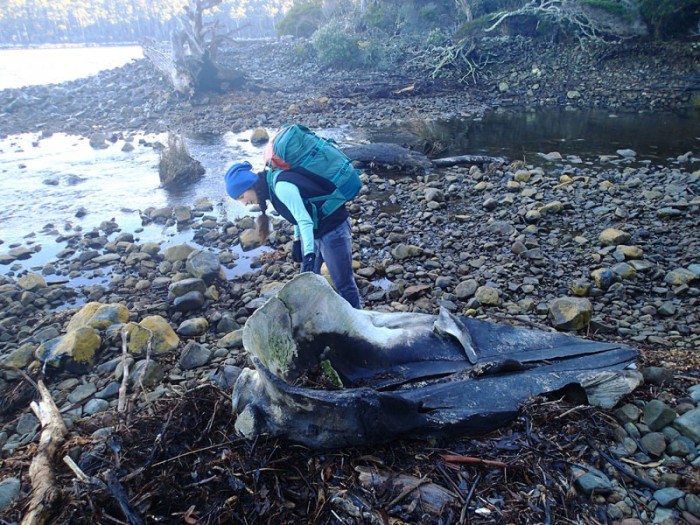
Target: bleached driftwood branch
46,495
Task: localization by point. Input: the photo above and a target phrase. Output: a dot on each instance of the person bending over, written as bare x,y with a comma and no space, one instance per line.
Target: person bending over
291,193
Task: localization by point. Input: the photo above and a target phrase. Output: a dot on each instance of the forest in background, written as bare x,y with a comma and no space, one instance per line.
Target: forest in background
32,22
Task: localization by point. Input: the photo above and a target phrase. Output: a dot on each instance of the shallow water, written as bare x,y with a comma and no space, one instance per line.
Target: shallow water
45,182
585,133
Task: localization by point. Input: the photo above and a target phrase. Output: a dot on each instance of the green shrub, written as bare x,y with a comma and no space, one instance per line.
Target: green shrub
474,27
614,8
335,47
302,19
437,37
377,16
303,52
371,53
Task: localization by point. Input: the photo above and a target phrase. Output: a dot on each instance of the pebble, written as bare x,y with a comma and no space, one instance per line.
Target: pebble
194,355
95,406
82,392
9,492
668,497
657,415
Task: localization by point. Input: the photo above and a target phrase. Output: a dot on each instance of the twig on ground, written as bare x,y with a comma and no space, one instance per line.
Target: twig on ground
138,386
456,458
468,499
77,470
121,404
118,492
621,468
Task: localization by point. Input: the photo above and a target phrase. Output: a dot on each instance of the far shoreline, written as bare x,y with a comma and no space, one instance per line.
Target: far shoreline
64,45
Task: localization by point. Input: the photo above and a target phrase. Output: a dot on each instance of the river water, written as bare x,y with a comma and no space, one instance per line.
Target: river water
51,65
44,182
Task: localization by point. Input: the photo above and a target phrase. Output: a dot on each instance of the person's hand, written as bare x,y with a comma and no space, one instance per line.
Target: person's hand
296,251
307,265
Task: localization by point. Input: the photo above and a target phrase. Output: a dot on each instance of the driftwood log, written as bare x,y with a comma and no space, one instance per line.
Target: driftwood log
396,156
468,159
177,168
46,495
386,154
190,63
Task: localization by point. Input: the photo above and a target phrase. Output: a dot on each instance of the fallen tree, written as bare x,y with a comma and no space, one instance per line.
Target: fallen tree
190,63
394,156
601,21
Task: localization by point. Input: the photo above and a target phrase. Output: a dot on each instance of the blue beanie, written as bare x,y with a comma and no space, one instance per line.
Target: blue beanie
239,178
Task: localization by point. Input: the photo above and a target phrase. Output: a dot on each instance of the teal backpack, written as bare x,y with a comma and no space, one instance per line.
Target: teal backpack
296,146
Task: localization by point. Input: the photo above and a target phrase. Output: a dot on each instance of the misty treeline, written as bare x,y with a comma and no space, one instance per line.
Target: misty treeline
27,22
458,22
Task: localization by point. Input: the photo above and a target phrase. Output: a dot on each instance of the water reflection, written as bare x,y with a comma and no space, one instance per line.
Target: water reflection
523,134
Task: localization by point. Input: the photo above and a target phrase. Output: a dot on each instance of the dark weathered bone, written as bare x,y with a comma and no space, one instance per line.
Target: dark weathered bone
406,374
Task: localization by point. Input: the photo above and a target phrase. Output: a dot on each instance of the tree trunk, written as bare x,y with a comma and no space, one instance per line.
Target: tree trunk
393,155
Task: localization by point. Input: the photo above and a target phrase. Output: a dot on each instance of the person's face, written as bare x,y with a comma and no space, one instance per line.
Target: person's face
248,197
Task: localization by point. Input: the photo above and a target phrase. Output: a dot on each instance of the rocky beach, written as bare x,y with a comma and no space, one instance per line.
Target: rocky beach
604,247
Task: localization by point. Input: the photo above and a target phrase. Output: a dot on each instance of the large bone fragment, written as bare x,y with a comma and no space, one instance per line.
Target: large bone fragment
406,375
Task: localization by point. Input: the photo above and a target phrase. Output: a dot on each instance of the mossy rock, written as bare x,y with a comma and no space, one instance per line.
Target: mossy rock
31,282
570,313
99,316
20,357
259,136
165,339
74,351
613,237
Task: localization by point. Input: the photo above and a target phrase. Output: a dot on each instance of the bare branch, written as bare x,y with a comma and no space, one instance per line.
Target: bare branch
46,494
589,22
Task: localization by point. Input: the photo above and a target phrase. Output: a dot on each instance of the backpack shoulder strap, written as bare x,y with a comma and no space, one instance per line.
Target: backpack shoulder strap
271,177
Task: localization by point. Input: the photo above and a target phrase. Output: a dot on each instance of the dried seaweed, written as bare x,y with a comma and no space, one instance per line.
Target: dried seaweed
178,460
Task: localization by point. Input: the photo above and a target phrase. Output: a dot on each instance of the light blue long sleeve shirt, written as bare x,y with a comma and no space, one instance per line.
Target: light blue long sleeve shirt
289,195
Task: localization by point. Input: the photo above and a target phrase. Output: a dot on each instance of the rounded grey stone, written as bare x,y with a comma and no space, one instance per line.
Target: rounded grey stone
657,415
95,406
9,492
654,443
668,497
189,301
27,424
692,503
111,390
681,447
689,425
185,286
194,355
82,392
656,375
225,377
